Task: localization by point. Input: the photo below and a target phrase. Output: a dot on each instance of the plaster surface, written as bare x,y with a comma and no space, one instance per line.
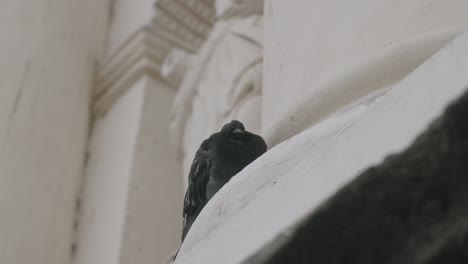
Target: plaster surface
223,84
153,221
309,43
48,52
104,205
131,209
294,177
127,17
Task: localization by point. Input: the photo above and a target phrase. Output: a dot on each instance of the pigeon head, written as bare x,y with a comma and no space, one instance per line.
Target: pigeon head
234,127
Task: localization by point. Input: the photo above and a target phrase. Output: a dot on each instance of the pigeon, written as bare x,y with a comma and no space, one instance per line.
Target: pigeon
218,159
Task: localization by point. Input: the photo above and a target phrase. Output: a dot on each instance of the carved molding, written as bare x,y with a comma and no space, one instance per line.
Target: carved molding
142,54
187,22
182,24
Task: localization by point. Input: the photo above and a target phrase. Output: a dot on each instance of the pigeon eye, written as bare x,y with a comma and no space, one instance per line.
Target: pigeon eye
237,130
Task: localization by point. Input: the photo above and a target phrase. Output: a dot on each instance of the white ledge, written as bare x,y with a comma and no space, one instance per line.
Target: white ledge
294,177
355,80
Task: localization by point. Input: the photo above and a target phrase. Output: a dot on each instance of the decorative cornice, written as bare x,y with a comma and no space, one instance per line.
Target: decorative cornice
141,54
182,24
188,22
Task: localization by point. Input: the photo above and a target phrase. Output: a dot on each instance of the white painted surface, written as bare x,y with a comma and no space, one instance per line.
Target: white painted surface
47,54
221,6
154,207
310,42
132,209
370,74
295,176
107,180
127,17
176,65
224,83
133,194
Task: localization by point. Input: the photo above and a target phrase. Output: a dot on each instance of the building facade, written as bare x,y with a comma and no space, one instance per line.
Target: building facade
105,103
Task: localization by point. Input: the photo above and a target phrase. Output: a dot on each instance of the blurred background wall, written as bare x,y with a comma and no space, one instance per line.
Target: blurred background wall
104,103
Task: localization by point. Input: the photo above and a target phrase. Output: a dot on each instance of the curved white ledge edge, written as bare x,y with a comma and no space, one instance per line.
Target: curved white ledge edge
356,79
294,177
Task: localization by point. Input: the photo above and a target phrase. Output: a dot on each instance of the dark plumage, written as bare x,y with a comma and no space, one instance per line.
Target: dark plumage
219,157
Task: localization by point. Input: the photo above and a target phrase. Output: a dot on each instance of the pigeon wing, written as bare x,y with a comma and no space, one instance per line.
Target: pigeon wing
195,197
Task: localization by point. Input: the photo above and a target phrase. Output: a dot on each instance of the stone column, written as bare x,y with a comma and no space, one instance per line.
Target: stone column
48,50
132,199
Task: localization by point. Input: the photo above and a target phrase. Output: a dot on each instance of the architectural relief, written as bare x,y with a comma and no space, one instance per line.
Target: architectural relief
224,81
295,177
177,25
332,86
132,196
337,98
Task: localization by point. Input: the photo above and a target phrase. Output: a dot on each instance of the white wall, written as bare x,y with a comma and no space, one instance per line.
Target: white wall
154,207
133,192
127,17
360,80
296,176
48,49
107,180
308,42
